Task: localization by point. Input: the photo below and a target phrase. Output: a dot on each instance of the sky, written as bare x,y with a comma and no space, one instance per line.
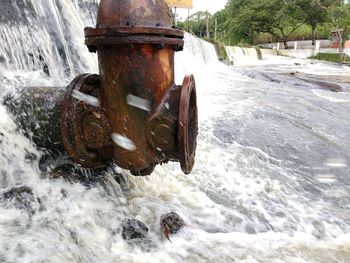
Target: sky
201,5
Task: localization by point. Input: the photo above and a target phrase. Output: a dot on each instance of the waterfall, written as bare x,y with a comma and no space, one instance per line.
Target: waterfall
243,56
199,50
47,36
198,56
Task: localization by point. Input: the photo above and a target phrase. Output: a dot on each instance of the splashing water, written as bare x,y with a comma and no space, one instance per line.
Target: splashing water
90,100
266,187
138,102
123,142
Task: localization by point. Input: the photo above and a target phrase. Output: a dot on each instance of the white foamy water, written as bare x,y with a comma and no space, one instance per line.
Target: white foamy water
123,142
265,187
333,97
90,100
242,56
138,102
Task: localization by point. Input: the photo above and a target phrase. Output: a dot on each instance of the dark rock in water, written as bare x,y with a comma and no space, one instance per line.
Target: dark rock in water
30,157
171,223
75,174
18,192
69,173
21,197
319,229
50,160
134,229
2,59
322,83
56,166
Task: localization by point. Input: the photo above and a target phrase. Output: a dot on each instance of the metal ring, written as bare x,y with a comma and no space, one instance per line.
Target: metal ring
188,124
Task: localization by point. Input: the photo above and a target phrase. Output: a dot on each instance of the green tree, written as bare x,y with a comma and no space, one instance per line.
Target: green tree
280,18
196,23
315,13
339,16
220,17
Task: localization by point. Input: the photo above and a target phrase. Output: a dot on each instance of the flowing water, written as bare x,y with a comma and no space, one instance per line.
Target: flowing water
271,181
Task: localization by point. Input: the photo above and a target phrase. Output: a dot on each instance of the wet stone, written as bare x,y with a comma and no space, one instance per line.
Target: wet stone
30,157
134,229
171,223
57,166
68,172
20,197
319,229
75,174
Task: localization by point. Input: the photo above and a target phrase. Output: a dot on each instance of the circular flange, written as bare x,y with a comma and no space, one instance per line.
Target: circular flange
188,124
133,35
74,129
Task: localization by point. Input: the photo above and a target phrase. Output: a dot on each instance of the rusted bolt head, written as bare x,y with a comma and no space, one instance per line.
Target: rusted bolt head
96,130
159,132
162,134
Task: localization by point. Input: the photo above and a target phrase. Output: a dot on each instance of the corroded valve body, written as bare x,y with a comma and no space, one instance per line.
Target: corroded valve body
137,116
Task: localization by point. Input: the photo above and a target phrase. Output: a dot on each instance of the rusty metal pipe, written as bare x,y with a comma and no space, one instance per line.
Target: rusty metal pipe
140,105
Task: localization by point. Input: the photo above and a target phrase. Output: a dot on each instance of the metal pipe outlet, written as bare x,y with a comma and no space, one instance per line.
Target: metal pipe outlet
132,112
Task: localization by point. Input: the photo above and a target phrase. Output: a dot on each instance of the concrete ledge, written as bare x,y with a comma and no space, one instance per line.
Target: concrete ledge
304,44
265,53
298,53
241,54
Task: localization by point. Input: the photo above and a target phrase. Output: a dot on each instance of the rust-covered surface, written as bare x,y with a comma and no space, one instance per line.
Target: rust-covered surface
85,129
143,119
147,13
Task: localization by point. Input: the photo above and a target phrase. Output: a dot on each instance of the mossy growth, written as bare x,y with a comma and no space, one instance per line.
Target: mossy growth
332,57
220,49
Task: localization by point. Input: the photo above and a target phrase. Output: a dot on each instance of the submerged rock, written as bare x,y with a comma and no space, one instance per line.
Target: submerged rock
171,223
324,84
30,157
134,229
21,197
16,191
69,173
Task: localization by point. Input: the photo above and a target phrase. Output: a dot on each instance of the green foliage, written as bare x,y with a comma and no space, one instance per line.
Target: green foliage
196,24
248,22
334,57
304,32
338,14
248,18
314,11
